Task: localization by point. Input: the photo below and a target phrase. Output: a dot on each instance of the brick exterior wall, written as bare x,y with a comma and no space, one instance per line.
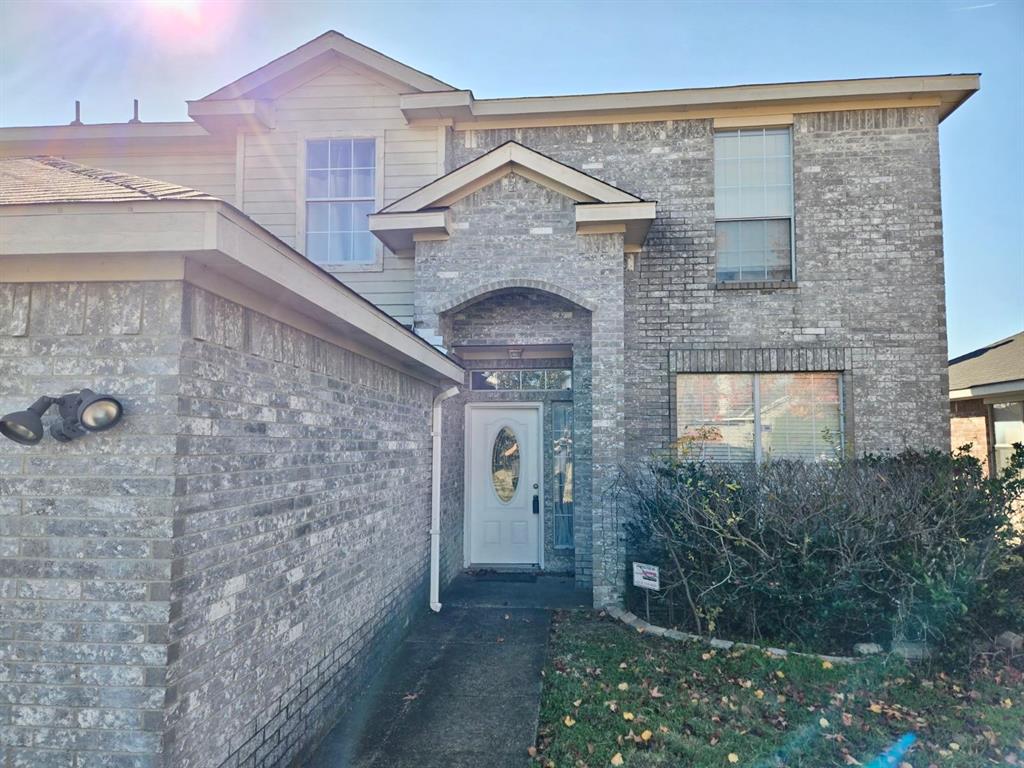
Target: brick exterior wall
969,425
87,526
212,581
869,287
518,234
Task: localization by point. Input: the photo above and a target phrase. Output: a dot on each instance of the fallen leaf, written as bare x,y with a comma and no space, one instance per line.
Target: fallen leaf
779,674
623,665
617,759
623,686
733,757
531,751
655,693
569,722
628,716
954,746
577,702
875,707
847,719
851,760
759,693
826,664
646,735
410,696
1007,703
823,723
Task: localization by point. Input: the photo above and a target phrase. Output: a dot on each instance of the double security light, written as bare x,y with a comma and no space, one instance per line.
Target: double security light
80,413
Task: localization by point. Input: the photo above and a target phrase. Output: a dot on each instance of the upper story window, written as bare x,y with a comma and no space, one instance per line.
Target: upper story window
340,194
754,204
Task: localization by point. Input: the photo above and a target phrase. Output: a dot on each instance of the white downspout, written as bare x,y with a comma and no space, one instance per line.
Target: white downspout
435,500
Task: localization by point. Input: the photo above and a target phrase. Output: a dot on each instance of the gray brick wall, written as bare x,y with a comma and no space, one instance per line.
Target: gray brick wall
214,580
515,232
86,527
868,251
304,511
869,269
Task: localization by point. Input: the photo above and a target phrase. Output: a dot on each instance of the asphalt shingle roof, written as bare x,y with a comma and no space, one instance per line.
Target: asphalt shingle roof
31,180
998,362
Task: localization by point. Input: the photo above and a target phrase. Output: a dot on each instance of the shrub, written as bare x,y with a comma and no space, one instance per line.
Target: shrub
915,546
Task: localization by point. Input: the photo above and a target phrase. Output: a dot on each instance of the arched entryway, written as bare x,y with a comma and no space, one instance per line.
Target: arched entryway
526,449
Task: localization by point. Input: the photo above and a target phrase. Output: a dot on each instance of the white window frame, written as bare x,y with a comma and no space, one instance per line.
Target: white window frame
792,202
759,456
377,263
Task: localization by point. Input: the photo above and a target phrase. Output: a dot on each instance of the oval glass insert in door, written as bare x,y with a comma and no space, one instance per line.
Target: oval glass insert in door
505,464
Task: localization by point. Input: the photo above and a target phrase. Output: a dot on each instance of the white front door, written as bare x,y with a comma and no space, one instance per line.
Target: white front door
503,469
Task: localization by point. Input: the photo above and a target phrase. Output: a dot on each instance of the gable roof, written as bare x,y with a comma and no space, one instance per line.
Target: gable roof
996,363
500,161
600,207
313,58
32,180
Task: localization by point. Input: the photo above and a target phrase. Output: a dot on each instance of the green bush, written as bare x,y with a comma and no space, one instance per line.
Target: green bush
915,547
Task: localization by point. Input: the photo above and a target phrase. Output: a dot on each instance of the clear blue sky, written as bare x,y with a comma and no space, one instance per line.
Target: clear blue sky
166,51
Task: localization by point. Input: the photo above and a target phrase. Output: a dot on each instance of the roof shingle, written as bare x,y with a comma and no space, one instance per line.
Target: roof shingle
992,364
32,180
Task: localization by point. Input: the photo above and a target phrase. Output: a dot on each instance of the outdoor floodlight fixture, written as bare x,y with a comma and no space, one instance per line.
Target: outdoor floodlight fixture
80,413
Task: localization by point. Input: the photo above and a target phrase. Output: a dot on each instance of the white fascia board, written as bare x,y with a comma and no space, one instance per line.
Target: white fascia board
102,131
232,114
952,89
1004,388
398,231
635,217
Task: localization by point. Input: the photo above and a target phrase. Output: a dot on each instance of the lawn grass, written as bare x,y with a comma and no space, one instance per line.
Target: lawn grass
609,690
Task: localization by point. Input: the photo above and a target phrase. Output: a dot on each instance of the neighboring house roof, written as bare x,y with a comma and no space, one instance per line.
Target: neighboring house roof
599,204
32,180
65,221
1001,362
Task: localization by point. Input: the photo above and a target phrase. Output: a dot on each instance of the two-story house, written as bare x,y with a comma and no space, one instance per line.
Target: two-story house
746,272
616,271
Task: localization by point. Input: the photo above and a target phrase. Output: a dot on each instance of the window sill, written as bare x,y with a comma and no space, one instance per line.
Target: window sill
756,285
368,266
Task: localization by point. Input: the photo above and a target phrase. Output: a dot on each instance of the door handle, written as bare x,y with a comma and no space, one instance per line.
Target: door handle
536,504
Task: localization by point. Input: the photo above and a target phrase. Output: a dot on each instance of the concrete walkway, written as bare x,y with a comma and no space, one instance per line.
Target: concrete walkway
464,688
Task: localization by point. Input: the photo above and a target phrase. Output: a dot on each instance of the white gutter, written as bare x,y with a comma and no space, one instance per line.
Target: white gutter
435,500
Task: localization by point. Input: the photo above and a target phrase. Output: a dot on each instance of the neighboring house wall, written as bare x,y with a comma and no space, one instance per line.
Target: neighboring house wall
869,290
969,425
515,232
87,526
263,509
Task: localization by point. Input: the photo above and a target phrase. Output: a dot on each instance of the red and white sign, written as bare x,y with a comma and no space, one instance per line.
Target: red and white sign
646,576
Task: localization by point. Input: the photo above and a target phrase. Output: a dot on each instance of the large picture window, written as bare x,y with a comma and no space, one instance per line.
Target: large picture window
757,416
340,194
754,205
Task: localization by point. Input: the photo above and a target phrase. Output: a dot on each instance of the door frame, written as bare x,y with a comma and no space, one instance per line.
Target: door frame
467,514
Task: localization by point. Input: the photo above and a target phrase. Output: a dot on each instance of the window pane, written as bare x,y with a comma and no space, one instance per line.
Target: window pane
362,182
316,154
715,415
341,217
341,153
800,415
559,380
341,247
316,217
1007,429
482,380
316,184
360,212
363,153
341,184
505,464
363,246
753,250
533,379
562,437
758,184
316,248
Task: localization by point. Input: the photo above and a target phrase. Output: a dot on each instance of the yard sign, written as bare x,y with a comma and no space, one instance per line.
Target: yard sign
646,576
